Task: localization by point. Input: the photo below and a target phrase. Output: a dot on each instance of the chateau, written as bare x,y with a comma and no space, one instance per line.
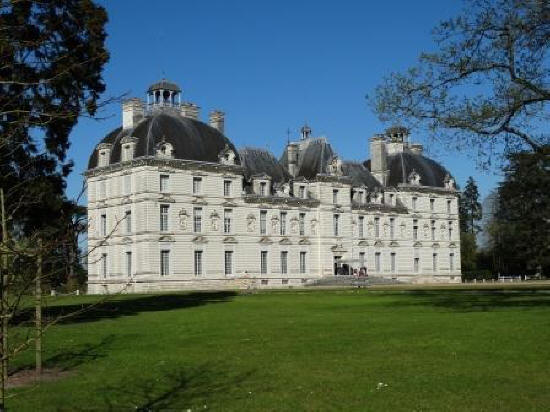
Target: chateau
174,205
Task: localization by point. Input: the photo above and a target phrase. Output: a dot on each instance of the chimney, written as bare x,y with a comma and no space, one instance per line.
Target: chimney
416,148
216,119
132,112
190,110
292,155
378,159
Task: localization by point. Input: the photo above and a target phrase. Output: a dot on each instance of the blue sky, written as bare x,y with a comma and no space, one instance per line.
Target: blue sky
271,66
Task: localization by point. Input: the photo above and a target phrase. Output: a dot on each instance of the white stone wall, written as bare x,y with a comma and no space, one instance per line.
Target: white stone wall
145,240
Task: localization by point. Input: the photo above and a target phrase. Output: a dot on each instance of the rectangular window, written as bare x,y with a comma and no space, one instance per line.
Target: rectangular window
335,196
103,225
377,261
104,264
227,188
129,264
197,220
302,224
452,261
392,262
392,227
163,218
198,262
450,230
432,229
263,188
284,262
377,227
391,199
434,262
227,221
432,204
197,183
361,226
336,225
263,262
302,262
414,203
283,224
127,183
415,229
449,206
416,264
164,181
263,222
164,262
228,264
128,218
302,192
360,198
362,259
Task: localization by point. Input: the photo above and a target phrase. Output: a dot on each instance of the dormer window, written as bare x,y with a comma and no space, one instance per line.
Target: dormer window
165,149
302,192
263,188
104,154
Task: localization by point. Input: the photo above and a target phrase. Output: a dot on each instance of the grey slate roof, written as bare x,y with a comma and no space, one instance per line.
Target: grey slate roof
260,161
360,175
400,165
190,139
315,155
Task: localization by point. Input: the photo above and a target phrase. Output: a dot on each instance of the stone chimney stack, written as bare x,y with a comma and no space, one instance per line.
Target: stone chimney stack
190,110
378,159
292,153
216,119
416,148
132,112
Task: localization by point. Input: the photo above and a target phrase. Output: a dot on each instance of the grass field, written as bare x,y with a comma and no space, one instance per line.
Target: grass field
414,350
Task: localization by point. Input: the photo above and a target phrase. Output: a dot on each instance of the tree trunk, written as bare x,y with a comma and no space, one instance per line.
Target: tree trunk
38,312
3,307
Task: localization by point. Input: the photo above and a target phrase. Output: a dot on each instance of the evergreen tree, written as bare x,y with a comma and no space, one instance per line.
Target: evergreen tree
470,208
469,214
521,228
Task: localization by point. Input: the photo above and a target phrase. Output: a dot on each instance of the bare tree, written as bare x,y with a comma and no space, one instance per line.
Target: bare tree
488,84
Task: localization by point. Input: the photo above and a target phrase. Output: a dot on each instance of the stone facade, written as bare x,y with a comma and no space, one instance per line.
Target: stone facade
160,222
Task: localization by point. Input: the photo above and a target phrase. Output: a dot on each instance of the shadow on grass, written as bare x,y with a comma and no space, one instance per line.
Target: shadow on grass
72,358
473,300
179,389
124,306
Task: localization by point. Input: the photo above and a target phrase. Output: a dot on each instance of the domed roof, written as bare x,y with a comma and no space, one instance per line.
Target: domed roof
164,85
190,139
402,164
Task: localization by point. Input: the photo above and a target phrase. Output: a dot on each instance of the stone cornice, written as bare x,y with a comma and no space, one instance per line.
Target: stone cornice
291,201
380,207
427,189
181,164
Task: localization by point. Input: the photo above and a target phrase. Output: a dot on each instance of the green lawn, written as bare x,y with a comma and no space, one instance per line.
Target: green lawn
413,350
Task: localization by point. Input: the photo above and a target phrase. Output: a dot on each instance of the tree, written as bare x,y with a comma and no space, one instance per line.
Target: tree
470,208
470,214
486,85
52,55
521,227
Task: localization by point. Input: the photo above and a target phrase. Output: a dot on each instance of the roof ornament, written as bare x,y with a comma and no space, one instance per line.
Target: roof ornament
414,178
449,181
